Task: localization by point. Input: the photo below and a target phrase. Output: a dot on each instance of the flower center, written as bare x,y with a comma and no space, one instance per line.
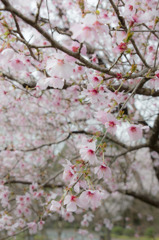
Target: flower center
17,61
91,152
90,194
130,7
103,167
111,124
133,129
73,198
96,79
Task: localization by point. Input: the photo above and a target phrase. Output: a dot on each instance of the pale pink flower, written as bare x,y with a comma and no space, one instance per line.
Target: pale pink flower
33,187
108,223
103,171
98,227
20,199
100,27
83,32
109,120
71,201
40,225
116,96
111,123
27,199
87,151
88,154
27,212
4,196
21,222
90,198
120,48
84,223
69,173
94,93
89,29
135,132
94,79
68,216
32,227
79,70
55,206
88,216
17,64
147,16
59,67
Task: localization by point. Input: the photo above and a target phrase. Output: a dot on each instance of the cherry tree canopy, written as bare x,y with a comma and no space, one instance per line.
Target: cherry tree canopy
79,108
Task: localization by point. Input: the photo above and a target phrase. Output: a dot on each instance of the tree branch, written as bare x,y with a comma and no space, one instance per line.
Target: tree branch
142,197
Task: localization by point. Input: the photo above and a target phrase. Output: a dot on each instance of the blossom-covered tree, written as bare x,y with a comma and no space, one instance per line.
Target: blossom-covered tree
79,108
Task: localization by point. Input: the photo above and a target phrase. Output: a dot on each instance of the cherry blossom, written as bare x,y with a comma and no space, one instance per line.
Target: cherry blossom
71,201
55,206
17,64
135,132
68,216
58,67
69,174
108,120
32,227
88,152
90,198
40,225
103,171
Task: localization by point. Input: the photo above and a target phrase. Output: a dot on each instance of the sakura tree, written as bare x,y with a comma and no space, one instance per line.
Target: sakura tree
79,108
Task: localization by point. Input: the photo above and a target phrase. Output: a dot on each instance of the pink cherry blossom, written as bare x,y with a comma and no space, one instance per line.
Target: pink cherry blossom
40,225
72,202
58,67
68,216
108,120
135,132
69,174
87,151
90,198
55,206
32,227
103,171
111,124
120,48
17,64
